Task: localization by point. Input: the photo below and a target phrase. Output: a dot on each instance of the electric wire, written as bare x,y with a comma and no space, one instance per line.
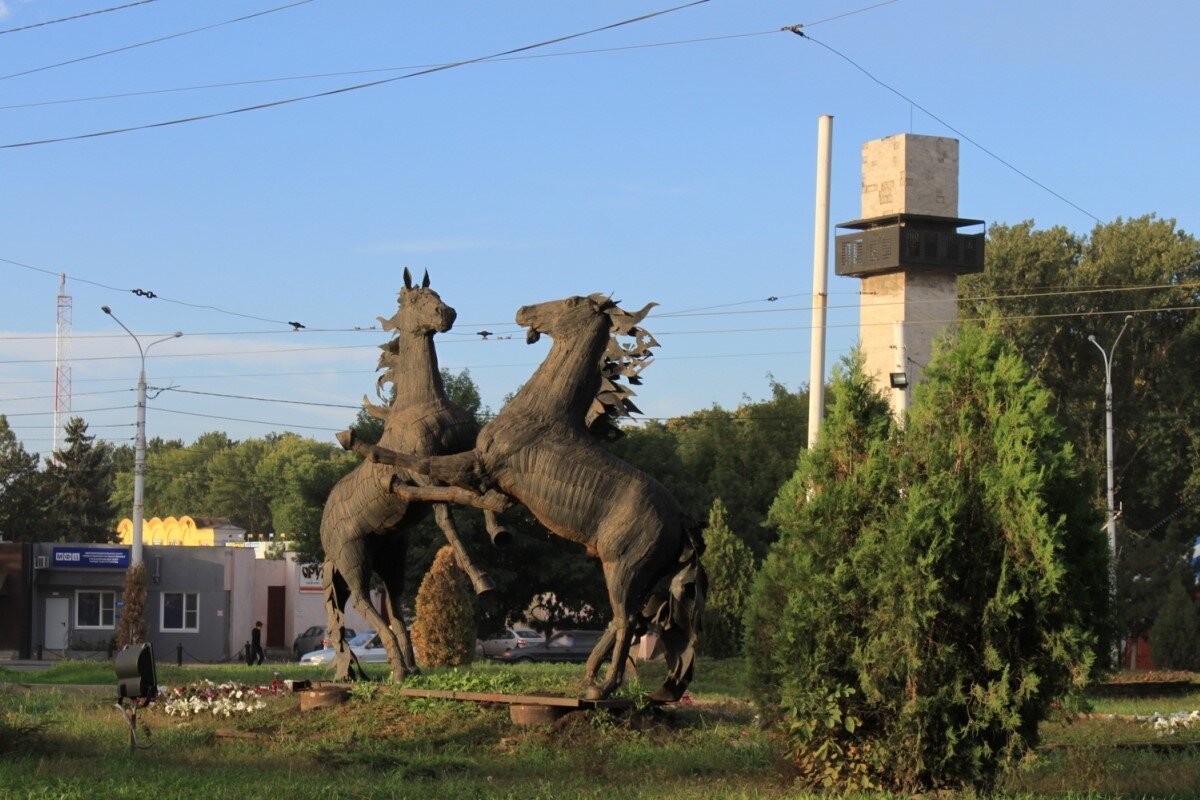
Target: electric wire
347,73
261,399
352,88
73,413
374,70
796,29
250,421
145,294
136,45
75,17
657,334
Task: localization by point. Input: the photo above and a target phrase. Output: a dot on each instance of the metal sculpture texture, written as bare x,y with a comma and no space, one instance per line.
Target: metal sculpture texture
538,451
364,527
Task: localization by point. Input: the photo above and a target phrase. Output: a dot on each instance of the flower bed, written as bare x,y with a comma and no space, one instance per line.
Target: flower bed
217,699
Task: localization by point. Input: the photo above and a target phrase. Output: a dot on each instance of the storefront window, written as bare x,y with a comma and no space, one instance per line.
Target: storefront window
94,609
180,611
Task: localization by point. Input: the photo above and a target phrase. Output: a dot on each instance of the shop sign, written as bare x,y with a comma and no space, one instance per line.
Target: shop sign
91,557
310,578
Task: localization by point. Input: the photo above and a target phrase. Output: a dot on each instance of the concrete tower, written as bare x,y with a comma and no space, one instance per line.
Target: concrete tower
909,253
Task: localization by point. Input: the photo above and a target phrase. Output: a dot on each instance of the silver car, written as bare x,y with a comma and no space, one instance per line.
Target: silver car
366,646
511,639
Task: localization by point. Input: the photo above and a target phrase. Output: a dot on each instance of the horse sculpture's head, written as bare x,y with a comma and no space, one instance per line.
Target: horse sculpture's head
599,316
421,311
573,315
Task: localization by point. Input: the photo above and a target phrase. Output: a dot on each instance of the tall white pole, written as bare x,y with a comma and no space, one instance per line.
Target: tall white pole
816,369
139,442
139,467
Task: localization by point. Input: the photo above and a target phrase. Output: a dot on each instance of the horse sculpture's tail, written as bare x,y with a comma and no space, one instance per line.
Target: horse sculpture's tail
680,616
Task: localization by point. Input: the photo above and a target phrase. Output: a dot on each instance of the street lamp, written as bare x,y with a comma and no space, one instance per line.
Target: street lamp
139,445
1108,412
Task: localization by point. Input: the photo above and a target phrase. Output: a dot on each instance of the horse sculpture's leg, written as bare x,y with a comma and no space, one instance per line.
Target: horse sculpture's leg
616,637
500,535
390,563
360,591
479,578
336,594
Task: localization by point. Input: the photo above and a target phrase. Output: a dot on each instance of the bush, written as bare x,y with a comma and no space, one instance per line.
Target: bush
132,626
1175,635
730,567
933,590
444,631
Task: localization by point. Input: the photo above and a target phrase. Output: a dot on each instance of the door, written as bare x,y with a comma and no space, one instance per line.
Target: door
58,610
276,615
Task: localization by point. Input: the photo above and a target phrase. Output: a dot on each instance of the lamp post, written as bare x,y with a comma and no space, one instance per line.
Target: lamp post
139,442
1108,430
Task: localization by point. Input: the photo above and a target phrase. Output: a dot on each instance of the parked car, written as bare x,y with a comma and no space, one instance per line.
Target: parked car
562,646
314,638
366,646
510,639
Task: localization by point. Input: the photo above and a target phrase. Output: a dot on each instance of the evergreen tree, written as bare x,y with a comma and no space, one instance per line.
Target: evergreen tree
23,498
934,590
1175,636
131,628
80,479
730,566
444,631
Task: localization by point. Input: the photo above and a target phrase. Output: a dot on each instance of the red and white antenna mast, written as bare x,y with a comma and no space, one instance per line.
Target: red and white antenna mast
62,362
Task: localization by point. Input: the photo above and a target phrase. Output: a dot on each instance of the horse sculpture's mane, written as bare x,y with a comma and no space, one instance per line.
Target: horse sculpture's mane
619,361
389,361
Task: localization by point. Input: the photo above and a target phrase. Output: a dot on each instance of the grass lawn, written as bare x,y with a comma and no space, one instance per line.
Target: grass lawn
59,745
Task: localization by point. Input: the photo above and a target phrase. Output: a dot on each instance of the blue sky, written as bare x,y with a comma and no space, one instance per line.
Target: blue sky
680,173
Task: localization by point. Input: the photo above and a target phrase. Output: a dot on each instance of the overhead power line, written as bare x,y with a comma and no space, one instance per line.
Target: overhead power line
251,421
75,17
136,45
797,29
345,89
372,70
149,295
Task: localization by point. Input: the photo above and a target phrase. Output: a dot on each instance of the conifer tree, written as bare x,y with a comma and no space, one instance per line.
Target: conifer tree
80,477
730,566
23,498
132,627
443,634
933,589
1175,636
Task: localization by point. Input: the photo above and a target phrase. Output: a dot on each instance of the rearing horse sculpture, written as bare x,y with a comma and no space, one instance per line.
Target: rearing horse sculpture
364,527
538,451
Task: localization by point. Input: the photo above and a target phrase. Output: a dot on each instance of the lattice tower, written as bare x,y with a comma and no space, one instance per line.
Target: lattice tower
62,362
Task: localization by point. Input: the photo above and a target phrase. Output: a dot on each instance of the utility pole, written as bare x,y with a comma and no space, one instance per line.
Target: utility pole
816,364
139,446
1108,436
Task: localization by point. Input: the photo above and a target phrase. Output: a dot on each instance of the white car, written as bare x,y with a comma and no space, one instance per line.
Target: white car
366,646
511,639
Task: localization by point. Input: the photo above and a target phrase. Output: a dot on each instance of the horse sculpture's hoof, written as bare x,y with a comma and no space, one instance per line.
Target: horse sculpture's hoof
593,693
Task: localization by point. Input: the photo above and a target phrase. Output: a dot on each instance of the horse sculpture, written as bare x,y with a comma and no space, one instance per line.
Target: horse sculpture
538,451
364,527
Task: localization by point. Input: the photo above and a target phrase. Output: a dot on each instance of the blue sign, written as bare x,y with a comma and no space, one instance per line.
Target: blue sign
91,557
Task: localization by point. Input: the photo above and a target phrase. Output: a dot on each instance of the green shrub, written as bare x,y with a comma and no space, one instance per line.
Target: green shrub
730,567
1175,635
934,589
132,626
443,634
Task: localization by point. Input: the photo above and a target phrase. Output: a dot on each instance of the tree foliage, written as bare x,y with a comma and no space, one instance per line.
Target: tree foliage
933,590
1175,635
443,634
23,495
730,566
1051,289
80,478
131,627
